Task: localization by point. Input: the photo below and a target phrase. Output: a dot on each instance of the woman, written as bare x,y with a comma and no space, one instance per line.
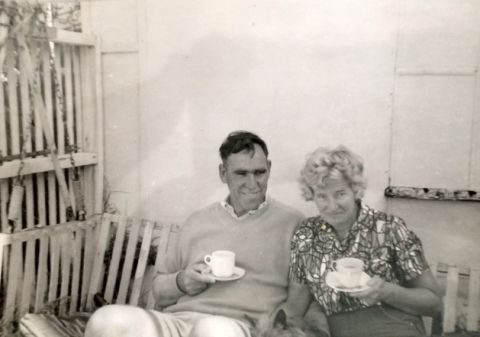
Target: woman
401,287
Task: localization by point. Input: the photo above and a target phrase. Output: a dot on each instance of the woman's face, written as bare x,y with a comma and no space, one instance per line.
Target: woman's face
336,202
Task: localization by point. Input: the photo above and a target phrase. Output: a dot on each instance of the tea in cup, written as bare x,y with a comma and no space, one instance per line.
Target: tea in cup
349,271
222,262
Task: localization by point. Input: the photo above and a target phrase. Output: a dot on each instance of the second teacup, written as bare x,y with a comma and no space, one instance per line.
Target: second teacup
222,262
349,271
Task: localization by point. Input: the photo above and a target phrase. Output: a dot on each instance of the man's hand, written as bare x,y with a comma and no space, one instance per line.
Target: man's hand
193,280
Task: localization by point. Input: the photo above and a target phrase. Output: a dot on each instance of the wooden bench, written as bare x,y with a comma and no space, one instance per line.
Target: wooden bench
461,302
55,272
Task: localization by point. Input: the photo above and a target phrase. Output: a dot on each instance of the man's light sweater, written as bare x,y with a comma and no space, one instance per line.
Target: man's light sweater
261,242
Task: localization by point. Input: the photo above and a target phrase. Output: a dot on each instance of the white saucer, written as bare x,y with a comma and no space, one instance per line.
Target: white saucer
332,281
237,273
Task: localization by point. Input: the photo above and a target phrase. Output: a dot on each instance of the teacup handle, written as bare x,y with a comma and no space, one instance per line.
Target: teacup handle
208,259
334,265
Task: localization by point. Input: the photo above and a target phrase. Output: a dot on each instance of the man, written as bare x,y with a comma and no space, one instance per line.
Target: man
257,229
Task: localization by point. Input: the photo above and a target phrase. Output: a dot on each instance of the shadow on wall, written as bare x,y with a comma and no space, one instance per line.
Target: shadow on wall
184,122
195,98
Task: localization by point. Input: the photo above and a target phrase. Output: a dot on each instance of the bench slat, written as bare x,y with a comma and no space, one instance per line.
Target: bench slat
42,274
141,263
128,263
54,266
29,277
115,259
66,257
473,300
13,280
76,263
87,265
450,303
98,258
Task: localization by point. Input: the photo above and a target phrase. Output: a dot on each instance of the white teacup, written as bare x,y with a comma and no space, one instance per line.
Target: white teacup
222,262
349,271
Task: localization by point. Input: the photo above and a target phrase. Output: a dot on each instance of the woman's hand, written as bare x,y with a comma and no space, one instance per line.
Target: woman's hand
422,295
379,290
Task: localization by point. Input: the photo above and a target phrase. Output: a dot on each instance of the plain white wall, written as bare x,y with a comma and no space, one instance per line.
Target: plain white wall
298,73
179,76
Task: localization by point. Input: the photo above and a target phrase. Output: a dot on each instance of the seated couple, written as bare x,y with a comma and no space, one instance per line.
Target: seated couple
286,259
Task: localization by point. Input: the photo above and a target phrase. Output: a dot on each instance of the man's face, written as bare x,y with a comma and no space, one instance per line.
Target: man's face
246,174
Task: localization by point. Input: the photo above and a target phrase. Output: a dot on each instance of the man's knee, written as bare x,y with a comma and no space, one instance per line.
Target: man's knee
216,326
114,320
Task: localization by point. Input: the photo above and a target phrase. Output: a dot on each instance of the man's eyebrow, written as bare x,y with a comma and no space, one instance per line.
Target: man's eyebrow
262,170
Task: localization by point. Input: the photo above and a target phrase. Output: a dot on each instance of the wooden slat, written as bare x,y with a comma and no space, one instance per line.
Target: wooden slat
42,274
28,277
101,245
160,259
52,199
48,99
78,98
57,229
44,164
3,124
76,263
473,300
12,99
89,190
69,37
4,196
128,263
141,263
54,266
59,100
1,261
3,149
12,283
69,94
68,111
88,121
88,255
115,259
431,193
99,168
66,257
39,145
59,111
450,300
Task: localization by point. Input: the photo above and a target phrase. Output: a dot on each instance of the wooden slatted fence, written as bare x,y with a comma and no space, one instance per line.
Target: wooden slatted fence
50,101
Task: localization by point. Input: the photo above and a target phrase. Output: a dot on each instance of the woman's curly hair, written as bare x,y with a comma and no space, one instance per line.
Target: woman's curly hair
336,163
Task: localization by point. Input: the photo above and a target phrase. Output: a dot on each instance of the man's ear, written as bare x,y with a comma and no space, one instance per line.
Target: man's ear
222,172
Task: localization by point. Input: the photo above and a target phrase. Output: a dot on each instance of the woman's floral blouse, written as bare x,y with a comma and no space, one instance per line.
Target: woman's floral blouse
384,243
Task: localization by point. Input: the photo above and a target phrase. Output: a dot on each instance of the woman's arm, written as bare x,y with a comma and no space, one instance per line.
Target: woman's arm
422,296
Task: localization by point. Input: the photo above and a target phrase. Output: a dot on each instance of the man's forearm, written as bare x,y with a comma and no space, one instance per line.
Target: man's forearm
165,290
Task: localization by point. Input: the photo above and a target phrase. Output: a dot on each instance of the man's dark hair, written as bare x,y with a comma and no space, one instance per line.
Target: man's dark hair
238,141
